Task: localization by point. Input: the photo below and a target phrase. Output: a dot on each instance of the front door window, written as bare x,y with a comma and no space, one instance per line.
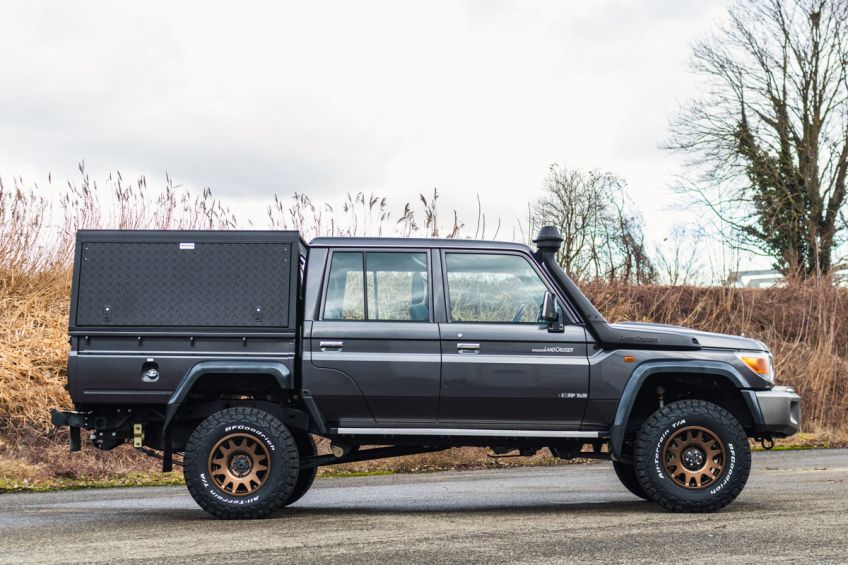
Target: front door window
493,288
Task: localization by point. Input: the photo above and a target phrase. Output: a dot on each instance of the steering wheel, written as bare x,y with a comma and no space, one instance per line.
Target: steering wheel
519,313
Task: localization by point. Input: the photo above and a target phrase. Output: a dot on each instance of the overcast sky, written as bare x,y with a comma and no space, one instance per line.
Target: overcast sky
325,98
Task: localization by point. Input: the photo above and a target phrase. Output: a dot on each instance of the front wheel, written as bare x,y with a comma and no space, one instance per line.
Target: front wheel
627,475
241,463
692,456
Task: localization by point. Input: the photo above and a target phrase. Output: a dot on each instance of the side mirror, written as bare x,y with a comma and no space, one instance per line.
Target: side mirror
550,314
549,309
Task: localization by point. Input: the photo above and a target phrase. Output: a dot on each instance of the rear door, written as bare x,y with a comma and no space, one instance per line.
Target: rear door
376,329
501,365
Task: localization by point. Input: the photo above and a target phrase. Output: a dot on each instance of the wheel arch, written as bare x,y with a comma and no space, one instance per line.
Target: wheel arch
278,372
272,373
712,380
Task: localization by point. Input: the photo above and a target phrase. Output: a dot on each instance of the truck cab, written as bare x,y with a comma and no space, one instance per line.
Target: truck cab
228,352
439,334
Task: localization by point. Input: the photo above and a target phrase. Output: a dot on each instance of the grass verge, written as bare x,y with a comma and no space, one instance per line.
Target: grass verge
137,479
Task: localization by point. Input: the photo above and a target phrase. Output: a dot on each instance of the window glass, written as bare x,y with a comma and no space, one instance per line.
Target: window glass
493,288
397,286
345,291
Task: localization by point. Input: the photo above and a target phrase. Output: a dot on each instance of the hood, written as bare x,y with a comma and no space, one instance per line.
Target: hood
704,339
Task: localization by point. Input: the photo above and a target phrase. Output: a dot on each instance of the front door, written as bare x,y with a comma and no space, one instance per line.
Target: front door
376,335
501,367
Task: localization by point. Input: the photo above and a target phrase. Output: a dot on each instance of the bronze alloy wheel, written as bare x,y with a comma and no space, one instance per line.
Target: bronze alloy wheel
239,464
693,457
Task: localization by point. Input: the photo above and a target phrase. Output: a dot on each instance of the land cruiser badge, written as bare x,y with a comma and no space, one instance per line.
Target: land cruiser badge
554,349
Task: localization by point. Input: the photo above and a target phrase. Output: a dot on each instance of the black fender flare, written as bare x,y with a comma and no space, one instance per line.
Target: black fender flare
645,370
275,369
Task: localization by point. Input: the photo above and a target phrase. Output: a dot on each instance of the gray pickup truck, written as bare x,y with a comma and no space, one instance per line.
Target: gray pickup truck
228,352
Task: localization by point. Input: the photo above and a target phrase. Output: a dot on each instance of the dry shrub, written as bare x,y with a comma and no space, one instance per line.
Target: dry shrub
33,333
33,356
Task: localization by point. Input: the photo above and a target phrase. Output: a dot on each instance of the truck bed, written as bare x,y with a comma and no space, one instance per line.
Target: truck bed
147,306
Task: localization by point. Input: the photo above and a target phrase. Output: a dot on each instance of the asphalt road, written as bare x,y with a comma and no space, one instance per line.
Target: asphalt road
795,508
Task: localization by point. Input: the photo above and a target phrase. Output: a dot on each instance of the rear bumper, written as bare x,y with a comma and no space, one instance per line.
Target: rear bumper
780,409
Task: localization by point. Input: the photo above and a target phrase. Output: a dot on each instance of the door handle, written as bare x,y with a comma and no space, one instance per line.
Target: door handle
331,345
468,347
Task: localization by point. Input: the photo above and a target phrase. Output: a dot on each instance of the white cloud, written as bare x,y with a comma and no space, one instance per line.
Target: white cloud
332,97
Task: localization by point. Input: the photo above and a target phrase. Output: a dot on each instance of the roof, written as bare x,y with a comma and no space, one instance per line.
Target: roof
418,242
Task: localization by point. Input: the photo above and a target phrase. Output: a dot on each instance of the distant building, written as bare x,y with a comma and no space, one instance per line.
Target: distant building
765,278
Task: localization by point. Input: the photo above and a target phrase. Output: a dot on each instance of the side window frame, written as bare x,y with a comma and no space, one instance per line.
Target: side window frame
365,250
569,317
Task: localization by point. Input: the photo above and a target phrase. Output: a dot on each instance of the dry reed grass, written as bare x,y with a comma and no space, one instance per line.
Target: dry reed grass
805,324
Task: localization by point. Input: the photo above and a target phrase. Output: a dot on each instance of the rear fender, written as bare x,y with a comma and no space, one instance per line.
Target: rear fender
281,374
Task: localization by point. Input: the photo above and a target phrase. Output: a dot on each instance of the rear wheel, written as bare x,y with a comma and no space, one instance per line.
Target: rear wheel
241,463
627,475
692,456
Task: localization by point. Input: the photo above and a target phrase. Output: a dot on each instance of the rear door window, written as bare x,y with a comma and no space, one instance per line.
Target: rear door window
378,286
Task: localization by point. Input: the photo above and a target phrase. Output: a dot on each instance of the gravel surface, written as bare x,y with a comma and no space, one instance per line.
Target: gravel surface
795,508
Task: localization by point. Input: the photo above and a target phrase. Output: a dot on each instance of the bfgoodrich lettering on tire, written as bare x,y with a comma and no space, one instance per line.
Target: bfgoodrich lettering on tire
692,456
241,463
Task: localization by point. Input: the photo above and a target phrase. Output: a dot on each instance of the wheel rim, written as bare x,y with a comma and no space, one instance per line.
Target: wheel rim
694,457
239,464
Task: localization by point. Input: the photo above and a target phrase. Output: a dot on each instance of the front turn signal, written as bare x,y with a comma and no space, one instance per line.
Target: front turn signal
760,364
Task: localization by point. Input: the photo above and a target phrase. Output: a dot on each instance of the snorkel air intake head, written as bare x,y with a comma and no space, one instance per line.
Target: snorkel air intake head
549,241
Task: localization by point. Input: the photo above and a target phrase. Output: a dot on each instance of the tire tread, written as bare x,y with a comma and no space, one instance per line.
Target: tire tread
306,448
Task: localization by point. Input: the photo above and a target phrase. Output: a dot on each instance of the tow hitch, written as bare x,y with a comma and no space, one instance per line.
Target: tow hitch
74,421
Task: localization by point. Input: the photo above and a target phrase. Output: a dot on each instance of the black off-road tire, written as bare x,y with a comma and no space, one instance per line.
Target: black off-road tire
266,434
671,420
627,475
306,448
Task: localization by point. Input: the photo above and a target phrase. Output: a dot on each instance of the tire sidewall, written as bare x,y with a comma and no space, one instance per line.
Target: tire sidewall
278,477
735,448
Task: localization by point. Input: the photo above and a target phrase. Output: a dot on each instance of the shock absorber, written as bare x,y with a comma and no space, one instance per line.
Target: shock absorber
661,396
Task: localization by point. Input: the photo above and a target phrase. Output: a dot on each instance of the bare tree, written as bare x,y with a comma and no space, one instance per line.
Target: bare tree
602,232
677,258
769,139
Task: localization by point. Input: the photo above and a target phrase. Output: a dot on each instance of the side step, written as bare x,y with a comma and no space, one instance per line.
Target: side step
466,432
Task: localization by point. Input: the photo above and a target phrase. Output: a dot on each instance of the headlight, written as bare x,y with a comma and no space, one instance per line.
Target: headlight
761,363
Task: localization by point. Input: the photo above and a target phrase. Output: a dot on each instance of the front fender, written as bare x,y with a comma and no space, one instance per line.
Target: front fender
645,370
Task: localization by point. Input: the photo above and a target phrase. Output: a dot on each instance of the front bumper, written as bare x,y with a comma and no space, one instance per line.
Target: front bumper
780,411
